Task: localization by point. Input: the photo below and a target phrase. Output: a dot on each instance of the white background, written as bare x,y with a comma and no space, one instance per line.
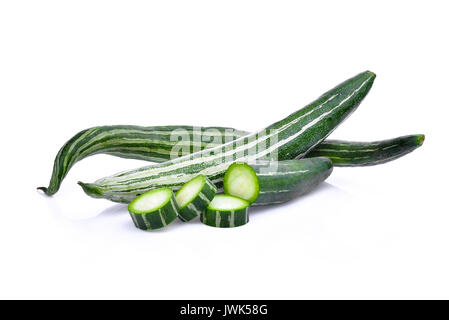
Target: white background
377,232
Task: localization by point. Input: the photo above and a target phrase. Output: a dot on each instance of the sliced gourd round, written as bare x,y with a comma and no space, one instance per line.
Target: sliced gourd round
226,211
154,209
241,181
194,197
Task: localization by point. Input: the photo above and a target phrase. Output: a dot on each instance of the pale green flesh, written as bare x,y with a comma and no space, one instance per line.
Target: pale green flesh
223,202
241,181
150,201
190,190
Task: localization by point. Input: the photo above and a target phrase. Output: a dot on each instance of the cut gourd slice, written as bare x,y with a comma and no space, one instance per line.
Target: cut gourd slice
241,181
194,197
154,209
226,211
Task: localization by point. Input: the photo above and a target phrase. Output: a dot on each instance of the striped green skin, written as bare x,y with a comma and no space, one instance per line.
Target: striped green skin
226,218
134,142
350,154
155,219
294,136
282,181
195,207
290,179
240,180
154,144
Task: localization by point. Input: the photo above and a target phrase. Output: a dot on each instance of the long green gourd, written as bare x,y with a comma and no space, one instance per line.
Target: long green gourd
155,144
289,138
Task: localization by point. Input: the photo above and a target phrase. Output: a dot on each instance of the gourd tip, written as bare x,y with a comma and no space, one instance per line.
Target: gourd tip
44,189
421,139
